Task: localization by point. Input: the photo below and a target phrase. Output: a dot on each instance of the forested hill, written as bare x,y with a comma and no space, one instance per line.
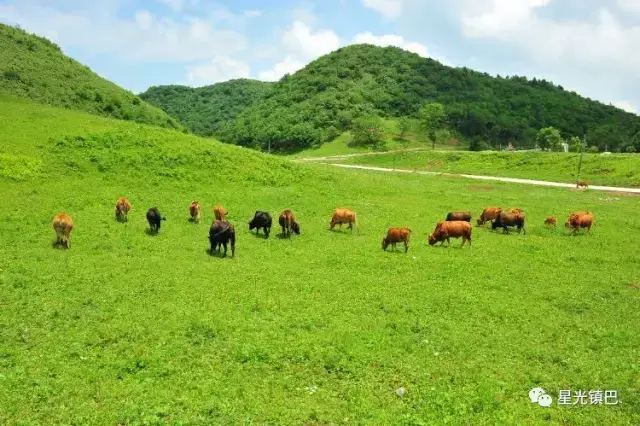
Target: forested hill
203,109
320,101
35,68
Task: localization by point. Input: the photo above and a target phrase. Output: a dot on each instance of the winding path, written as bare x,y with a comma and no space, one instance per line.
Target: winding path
322,160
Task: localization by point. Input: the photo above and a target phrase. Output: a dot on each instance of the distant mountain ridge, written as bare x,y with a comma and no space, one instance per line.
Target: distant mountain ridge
35,68
202,110
319,102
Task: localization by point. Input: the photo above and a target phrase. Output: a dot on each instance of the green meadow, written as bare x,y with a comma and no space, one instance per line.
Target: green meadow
323,328
597,169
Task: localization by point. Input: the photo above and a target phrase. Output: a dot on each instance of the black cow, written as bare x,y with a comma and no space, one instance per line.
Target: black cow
506,219
220,233
154,218
261,220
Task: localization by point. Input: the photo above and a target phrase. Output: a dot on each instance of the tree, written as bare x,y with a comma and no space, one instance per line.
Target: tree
432,116
574,144
404,124
368,131
549,138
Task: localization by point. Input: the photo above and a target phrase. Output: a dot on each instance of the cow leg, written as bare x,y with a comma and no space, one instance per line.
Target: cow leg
225,248
406,247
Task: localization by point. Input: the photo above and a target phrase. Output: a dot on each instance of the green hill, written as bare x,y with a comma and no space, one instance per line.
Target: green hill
35,68
203,109
129,328
322,100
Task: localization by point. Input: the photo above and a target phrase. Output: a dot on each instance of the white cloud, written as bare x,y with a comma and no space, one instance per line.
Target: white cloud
301,45
391,40
391,9
629,5
300,40
254,13
97,29
602,43
499,17
288,65
220,68
627,106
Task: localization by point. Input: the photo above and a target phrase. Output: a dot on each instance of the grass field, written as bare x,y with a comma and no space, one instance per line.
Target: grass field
613,169
128,328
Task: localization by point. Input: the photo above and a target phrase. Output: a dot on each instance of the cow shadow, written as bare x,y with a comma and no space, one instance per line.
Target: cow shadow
261,235
218,254
151,233
57,245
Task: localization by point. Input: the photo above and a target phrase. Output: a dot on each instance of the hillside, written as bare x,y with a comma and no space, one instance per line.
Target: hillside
35,68
203,109
319,102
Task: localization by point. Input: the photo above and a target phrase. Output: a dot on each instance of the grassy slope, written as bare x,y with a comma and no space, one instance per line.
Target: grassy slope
614,169
129,328
413,139
34,68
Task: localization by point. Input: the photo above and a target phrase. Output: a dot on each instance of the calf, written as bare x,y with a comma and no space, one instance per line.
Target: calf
219,212
221,233
466,216
288,223
195,211
154,218
551,220
122,209
63,225
579,220
341,216
396,235
261,220
456,229
505,220
489,214
582,183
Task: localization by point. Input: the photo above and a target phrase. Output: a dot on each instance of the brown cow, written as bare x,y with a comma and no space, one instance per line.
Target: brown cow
341,216
582,183
466,216
456,229
288,223
63,226
507,219
489,214
219,212
195,211
579,220
396,235
122,209
551,220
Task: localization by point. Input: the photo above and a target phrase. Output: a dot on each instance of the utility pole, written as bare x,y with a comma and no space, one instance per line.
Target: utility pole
582,145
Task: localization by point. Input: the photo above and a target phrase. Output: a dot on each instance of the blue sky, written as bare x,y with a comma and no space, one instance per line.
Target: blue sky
589,46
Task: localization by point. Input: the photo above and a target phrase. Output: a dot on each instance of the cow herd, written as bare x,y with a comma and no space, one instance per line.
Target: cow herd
221,233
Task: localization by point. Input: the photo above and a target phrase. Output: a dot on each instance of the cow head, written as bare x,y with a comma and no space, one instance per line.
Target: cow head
385,244
296,227
432,239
